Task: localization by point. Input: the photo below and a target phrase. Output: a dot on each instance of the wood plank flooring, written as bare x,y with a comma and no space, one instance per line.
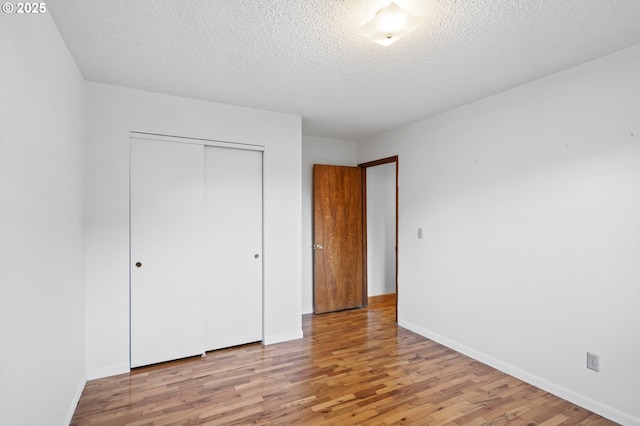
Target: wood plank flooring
351,368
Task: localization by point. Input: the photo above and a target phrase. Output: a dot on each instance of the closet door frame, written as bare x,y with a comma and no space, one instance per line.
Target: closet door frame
196,141
204,143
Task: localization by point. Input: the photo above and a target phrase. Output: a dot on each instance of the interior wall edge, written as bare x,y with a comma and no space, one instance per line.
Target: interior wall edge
114,370
76,399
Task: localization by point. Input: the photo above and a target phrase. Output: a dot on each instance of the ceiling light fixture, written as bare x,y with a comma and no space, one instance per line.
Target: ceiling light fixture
389,25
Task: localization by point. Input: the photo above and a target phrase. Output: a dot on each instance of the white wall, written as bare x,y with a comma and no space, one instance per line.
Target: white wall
529,201
112,113
42,361
317,150
381,229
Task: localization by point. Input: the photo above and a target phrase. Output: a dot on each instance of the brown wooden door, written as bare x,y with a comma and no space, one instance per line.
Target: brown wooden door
338,238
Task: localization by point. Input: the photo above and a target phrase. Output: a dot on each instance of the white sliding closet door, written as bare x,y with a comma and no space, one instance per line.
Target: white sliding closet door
167,246
233,254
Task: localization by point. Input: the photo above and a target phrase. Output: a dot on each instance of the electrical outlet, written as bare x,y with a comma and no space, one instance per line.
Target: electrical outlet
419,233
593,362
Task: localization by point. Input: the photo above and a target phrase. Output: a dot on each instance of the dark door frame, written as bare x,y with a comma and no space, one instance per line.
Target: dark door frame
364,166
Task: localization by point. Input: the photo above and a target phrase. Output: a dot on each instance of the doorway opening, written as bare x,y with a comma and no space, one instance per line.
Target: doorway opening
380,233
340,243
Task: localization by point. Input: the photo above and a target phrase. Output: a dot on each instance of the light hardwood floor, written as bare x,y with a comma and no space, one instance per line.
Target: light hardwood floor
351,368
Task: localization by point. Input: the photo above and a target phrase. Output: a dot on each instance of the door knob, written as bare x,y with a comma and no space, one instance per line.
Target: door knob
255,256
138,264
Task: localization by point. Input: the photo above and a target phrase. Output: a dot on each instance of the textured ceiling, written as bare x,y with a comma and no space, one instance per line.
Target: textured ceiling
301,56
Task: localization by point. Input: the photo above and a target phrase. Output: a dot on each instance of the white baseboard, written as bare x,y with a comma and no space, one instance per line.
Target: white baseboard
74,402
108,371
307,310
279,338
553,388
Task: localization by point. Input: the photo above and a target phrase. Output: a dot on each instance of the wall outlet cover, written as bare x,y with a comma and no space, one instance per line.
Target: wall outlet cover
593,362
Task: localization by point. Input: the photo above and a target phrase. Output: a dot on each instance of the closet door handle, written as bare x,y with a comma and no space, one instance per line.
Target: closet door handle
255,256
138,264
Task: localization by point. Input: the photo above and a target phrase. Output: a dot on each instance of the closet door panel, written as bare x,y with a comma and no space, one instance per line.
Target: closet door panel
167,246
233,254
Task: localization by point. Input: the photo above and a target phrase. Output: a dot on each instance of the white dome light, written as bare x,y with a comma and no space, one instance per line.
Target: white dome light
389,25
